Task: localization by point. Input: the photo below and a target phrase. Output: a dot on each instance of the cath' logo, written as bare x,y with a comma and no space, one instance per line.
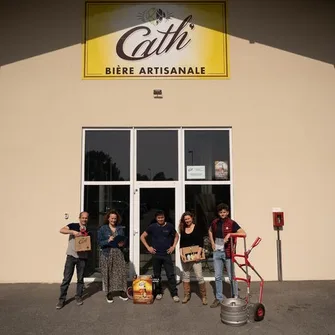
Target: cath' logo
141,42
154,16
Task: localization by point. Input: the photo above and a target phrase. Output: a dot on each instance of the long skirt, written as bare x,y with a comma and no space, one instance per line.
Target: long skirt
113,270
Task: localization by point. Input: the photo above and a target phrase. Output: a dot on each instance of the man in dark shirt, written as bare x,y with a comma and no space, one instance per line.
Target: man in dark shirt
74,259
164,240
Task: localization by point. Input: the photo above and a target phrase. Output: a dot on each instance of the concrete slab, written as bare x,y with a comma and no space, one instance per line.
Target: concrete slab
292,308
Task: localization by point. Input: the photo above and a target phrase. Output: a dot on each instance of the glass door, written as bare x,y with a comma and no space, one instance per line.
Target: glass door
148,200
156,187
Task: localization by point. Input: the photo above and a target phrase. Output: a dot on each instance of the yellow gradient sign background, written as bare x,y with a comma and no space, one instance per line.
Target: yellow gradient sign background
155,40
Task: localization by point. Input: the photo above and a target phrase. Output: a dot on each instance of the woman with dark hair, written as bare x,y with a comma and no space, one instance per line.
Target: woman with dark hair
191,235
112,263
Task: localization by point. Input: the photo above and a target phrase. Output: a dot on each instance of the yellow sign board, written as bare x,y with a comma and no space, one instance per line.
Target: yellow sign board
184,40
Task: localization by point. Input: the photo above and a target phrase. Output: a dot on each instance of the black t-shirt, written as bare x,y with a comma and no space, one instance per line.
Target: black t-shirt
71,251
195,238
162,237
218,234
74,226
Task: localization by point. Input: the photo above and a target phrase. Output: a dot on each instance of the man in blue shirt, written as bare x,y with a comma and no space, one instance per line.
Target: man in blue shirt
164,241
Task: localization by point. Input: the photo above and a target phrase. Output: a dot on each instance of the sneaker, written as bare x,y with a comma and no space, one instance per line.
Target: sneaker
109,298
215,303
123,296
79,301
176,298
60,304
159,296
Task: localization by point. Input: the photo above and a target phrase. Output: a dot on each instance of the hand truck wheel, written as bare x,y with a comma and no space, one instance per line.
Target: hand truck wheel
258,312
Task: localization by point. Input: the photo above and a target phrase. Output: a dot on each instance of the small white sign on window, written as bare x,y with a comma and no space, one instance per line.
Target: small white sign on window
196,172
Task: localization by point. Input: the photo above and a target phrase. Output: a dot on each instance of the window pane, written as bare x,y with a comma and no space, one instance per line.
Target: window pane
107,155
157,155
97,201
207,155
202,201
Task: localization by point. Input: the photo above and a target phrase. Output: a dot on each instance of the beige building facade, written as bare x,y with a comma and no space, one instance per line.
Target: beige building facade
274,114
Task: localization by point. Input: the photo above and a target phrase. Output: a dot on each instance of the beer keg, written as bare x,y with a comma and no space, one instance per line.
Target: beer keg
234,312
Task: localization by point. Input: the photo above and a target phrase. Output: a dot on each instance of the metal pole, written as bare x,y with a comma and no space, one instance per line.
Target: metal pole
245,249
279,260
247,271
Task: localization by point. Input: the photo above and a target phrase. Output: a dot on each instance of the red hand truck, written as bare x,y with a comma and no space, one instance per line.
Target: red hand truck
257,310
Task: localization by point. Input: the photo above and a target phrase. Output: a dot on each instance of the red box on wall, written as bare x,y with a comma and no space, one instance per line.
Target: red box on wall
278,219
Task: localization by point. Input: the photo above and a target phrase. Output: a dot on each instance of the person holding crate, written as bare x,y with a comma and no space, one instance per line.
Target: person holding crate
74,259
191,252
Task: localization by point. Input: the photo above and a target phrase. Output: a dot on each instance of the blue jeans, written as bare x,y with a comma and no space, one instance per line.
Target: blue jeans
220,258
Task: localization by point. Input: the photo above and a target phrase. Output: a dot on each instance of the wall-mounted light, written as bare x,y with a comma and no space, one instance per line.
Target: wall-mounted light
158,94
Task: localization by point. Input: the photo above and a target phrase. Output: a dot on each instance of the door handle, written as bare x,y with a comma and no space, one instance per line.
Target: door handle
135,232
